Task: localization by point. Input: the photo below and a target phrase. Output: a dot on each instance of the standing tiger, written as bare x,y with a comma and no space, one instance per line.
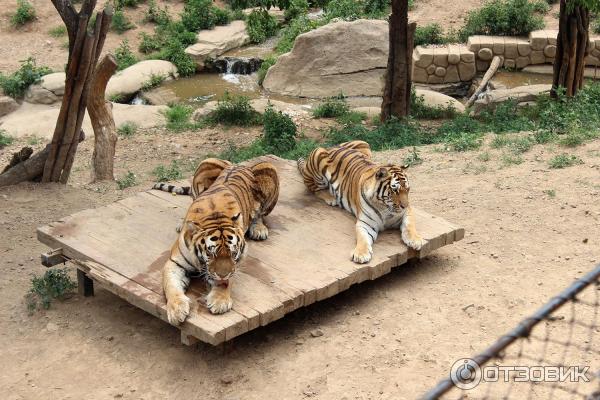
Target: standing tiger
229,201
376,194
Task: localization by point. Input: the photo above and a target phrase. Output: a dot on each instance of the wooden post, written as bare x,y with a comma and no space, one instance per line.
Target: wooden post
84,49
489,74
85,286
398,79
572,46
100,111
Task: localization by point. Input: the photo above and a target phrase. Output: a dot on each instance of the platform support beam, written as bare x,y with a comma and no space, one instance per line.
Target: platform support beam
85,285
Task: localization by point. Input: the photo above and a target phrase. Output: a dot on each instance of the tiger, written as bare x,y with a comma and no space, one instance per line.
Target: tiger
229,202
377,195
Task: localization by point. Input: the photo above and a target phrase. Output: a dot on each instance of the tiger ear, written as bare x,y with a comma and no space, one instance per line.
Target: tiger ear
381,173
236,217
405,166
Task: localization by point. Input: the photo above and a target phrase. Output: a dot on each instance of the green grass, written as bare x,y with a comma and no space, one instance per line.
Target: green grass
116,98
124,56
511,159
127,129
234,111
515,143
154,81
484,156
420,110
5,139
332,107
24,13
15,84
168,173
126,181
58,31
564,160
120,23
54,284
461,133
178,117
433,34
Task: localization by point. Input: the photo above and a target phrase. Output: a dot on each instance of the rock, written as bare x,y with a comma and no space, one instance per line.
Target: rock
347,57
227,379
537,57
211,43
423,56
452,89
485,54
466,71
520,94
550,51
51,327
440,71
128,82
40,120
435,99
7,105
54,82
36,94
203,111
159,96
452,74
316,333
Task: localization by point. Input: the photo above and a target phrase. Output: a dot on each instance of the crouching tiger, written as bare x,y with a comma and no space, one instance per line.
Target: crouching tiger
229,201
376,194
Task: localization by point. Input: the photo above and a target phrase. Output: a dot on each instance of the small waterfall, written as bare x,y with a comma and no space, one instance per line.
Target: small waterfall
234,65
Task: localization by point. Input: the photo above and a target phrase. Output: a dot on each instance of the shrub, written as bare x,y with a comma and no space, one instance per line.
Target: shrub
235,110
124,56
127,129
157,15
374,7
295,9
502,17
129,3
332,108
15,84
413,158
120,23
57,32
264,68
178,116
175,52
540,6
5,140
201,14
221,16
25,13
54,284
296,27
260,25
430,34
348,10
420,110
148,43
564,160
596,24
279,131
128,180
168,173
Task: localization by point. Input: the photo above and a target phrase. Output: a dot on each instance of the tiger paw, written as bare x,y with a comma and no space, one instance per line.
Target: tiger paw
415,242
178,309
258,231
218,302
361,256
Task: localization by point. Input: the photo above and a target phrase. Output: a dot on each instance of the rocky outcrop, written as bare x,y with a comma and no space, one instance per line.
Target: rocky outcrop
347,57
48,91
126,83
519,94
436,99
40,120
211,43
7,105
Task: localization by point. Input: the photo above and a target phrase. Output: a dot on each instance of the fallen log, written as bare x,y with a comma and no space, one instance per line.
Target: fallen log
496,62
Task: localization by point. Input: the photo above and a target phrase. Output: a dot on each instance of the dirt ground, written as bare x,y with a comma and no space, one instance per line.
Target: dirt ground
389,339
52,52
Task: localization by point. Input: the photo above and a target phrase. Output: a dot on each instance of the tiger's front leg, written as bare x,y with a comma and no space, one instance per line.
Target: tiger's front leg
365,236
219,299
175,283
408,231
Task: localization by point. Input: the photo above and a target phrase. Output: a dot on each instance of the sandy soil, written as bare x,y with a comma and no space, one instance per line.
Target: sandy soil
388,339
53,52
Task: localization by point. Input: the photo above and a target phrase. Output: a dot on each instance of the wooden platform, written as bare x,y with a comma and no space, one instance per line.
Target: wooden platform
123,246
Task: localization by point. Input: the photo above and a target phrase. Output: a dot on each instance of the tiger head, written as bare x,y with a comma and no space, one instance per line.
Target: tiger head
392,187
218,243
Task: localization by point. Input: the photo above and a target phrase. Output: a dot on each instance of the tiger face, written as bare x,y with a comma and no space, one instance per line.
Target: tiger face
392,188
219,246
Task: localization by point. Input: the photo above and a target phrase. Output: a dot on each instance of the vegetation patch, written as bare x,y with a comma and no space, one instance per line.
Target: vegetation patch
5,139
168,173
154,81
127,129
234,110
58,32
202,14
279,131
260,25
54,284
126,181
25,13
433,34
124,56
332,107
15,84
564,160
120,23
178,117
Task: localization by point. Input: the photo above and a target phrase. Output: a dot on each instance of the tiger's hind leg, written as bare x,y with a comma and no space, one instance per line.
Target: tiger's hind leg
311,171
267,194
206,174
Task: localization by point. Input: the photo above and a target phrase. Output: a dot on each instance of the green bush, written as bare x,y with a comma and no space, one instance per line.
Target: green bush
202,14
25,13
260,25
375,7
157,15
5,140
168,173
333,107
54,284
128,180
178,116
148,43
432,34
127,129
348,10
564,160
120,23
175,53
504,18
15,84
129,3
595,25
124,56
506,118
296,27
295,9
279,131
461,133
234,110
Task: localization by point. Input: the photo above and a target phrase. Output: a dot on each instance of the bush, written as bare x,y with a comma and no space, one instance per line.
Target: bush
5,140
148,43
595,25
234,110
129,3
295,9
54,284
127,129
168,173
157,15
564,160
260,25
25,13
431,34
15,84
128,180
333,107
124,56
296,27
461,133
120,23
348,10
201,14
264,68
178,116
175,53
504,18
506,118
279,131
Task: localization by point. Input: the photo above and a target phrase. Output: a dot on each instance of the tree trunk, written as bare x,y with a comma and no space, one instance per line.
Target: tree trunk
105,132
398,80
489,74
572,46
84,49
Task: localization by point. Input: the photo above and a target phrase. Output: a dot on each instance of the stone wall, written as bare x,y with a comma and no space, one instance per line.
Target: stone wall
456,63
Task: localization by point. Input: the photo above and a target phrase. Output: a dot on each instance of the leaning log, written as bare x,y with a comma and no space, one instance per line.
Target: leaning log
489,74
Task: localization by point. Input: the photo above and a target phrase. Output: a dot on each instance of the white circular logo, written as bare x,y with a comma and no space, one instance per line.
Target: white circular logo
465,373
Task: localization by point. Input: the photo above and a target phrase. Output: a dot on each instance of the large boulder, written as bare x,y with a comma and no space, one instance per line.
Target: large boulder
211,43
437,99
347,57
7,105
126,83
48,91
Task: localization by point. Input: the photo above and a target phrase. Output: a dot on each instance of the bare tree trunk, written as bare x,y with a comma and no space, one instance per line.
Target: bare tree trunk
572,46
398,79
489,74
84,50
105,132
